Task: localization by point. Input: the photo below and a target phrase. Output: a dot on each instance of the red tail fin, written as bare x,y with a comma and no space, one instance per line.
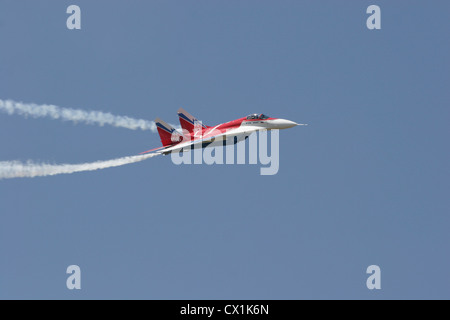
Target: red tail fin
169,136
189,122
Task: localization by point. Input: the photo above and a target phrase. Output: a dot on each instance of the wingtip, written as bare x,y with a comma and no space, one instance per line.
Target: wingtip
148,151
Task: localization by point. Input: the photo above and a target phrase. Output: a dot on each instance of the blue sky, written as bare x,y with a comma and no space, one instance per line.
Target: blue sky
365,183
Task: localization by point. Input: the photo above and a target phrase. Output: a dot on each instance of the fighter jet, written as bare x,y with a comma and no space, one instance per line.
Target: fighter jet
197,134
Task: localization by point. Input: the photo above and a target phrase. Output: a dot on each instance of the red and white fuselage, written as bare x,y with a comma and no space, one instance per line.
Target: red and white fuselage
194,132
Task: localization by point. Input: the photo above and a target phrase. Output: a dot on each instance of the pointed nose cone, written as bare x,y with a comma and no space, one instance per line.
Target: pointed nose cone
283,124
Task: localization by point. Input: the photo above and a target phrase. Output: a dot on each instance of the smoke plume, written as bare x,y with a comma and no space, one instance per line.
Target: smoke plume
16,169
75,115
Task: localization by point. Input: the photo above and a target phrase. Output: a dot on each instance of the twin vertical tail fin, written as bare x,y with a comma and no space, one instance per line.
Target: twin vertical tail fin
168,134
189,122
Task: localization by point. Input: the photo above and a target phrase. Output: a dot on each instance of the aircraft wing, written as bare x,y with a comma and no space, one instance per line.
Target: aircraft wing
210,138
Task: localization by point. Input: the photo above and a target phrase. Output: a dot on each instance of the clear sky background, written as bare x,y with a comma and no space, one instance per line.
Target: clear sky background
367,182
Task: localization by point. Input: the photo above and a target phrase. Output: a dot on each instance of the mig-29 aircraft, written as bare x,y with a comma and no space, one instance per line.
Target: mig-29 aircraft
195,133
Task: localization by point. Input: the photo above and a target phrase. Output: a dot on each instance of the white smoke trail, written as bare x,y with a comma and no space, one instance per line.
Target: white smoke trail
66,114
16,169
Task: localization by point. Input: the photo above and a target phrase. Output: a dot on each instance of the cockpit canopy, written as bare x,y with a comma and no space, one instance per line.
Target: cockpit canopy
260,116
